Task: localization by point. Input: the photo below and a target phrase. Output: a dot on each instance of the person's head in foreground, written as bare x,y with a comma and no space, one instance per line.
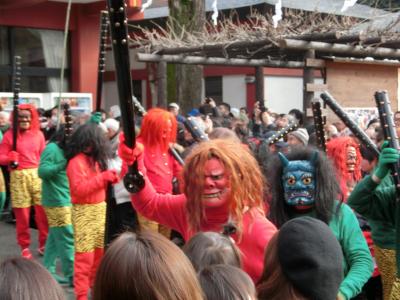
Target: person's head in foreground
145,265
24,279
210,248
302,261
225,282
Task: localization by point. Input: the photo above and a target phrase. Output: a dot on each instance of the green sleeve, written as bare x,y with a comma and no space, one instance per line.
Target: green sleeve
51,162
2,201
373,201
356,253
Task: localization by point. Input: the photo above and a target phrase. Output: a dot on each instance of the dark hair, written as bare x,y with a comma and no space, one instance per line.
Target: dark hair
90,136
299,115
206,109
145,265
373,121
225,282
226,105
367,153
326,192
41,112
58,137
273,284
210,248
23,279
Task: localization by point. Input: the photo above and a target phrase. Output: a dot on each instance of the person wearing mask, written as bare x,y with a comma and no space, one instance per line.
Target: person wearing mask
222,186
157,133
88,175
56,201
25,184
302,184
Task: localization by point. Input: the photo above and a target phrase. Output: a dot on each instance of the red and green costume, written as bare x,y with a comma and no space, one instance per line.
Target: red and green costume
56,201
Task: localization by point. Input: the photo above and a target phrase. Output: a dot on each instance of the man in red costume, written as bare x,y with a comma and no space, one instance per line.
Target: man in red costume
158,131
223,191
25,184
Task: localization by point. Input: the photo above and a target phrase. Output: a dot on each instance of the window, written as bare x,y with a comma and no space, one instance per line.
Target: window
213,88
41,54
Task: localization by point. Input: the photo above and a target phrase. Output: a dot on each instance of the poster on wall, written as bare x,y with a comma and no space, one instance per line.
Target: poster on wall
79,102
362,115
6,100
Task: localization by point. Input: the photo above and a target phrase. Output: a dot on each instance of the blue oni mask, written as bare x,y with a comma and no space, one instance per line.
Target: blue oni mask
299,180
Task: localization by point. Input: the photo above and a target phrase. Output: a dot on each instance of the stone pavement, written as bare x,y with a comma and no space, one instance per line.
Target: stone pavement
10,248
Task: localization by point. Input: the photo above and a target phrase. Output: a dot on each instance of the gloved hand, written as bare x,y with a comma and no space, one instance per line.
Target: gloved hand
387,157
127,154
110,176
13,156
95,118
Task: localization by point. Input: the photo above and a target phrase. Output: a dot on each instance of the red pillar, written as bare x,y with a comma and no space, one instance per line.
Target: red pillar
84,51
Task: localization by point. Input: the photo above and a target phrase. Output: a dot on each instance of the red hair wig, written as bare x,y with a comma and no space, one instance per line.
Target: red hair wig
155,132
336,150
246,181
35,125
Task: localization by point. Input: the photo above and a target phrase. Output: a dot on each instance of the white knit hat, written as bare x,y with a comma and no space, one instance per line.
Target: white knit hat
112,124
301,134
115,111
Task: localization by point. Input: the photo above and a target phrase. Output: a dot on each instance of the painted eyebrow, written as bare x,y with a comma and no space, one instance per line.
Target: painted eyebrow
215,174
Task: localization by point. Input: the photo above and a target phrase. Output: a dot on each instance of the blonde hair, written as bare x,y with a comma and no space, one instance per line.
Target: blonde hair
246,181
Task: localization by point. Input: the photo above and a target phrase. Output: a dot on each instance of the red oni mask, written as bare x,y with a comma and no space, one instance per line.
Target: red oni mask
216,184
351,159
24,119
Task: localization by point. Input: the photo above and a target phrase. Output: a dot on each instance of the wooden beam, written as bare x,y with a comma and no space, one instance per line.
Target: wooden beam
308,78
199,60
213,47
394,63
315,63
339,48
316,87
333,35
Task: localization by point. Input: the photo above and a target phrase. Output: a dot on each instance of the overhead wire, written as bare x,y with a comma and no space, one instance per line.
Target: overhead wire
67,19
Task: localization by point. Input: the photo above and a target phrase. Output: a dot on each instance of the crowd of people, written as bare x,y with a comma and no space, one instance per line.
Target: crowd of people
246,213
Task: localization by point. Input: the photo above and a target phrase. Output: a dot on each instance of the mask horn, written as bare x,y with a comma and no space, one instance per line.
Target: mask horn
314,157
283,159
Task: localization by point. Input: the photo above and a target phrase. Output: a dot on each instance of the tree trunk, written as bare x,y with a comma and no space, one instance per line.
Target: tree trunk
162,84
187,16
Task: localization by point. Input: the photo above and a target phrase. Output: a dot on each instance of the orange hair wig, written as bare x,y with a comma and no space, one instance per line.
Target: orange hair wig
246,181
35,124
336,150
154,129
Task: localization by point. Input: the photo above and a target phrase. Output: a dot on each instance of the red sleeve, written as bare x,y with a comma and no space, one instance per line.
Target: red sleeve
5,147
257,232
166,209
82,180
